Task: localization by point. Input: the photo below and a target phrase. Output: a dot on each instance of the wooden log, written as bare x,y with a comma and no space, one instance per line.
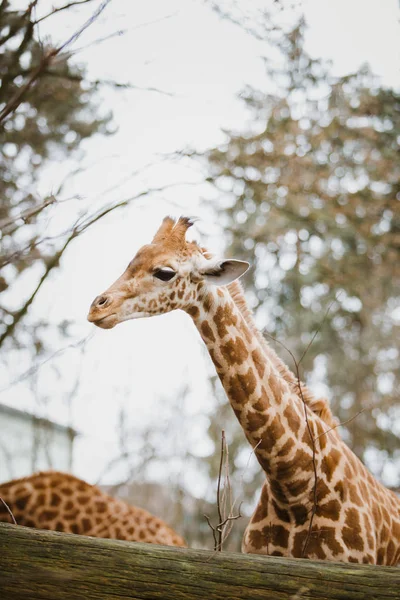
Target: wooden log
46,565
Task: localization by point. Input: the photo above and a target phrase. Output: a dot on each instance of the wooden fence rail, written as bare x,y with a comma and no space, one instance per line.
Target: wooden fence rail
45,565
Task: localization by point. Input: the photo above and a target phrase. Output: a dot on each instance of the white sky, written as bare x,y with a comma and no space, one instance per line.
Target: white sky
203,62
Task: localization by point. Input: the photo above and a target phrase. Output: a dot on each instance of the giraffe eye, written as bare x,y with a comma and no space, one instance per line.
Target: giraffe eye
165,274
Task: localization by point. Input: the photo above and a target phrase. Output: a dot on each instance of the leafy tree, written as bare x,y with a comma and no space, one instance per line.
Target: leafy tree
50,120
310,194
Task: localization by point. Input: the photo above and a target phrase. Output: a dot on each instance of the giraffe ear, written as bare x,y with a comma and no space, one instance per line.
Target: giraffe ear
224,272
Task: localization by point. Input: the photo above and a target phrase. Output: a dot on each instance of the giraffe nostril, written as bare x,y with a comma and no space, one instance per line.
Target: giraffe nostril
102,301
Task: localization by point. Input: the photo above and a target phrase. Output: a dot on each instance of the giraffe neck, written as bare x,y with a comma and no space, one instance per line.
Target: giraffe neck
318,405
271,414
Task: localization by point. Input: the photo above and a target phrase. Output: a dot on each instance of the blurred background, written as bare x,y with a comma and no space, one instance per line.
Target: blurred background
277,124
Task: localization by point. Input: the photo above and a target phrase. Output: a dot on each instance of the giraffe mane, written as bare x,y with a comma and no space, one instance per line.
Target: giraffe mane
319,406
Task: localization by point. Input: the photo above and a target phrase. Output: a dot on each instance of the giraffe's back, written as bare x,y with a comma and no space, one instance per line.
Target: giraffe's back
61,502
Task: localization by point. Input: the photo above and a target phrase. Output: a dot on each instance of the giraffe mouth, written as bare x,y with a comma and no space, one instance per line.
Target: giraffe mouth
107,322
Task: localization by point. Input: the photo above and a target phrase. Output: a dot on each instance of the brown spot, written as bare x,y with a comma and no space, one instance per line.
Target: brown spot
297,487
281,513
352,530
324,535
40,499
368,529
207,304
339,488
329,510
216,362
276,553
241,386
262,507
259,361
293,419
55,482
83,499
66,491
307,438
321,435
278,535
330,462
22,501
353,495
274,432
390,553
180,294
260,404
172,296
71,515
287,469
69,505
234,351
255,420
276,488
193,311
29,523
101,506
286,448
86,525
142,535
353,559
47,515
322,489
55,499
224,318
380,559
277,389
207,331
74,528
300,514
59,526
271,534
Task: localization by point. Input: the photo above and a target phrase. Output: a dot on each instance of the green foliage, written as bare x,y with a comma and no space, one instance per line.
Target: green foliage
310,194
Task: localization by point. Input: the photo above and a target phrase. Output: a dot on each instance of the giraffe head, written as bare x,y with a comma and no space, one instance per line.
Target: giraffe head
165,275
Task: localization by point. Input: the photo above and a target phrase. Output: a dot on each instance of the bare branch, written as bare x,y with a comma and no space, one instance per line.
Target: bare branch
33,370
27,214
44,63
57,10
222,530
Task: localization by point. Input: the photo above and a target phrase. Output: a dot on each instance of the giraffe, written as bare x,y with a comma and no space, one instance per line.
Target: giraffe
318,500
61,502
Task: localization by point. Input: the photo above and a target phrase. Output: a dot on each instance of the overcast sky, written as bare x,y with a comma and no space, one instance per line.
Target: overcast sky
200,62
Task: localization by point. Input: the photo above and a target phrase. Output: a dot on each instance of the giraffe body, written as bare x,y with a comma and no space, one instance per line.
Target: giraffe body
61,502
318,501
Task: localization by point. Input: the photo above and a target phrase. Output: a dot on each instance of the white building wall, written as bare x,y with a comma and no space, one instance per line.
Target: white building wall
28,444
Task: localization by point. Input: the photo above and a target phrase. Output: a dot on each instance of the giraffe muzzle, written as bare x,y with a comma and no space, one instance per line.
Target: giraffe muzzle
102,313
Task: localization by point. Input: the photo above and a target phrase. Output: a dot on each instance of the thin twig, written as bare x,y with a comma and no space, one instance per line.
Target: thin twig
9,511
222,530
56,10
219,489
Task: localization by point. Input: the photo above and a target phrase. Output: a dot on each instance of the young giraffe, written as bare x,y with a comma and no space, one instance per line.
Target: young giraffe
62,502
323,507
